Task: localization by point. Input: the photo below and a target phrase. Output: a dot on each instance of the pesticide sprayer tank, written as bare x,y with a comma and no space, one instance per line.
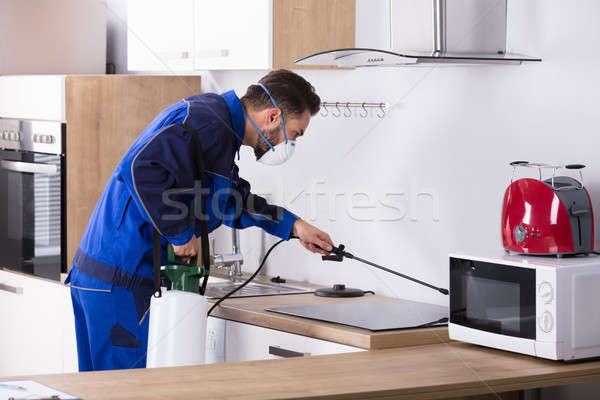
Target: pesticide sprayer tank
177,332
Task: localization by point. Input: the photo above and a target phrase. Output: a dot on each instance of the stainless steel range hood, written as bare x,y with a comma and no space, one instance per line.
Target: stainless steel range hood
442,31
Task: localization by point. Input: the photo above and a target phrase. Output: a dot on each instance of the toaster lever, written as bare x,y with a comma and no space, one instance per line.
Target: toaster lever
578,211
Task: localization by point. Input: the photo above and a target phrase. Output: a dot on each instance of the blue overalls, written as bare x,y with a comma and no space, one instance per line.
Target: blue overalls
112,274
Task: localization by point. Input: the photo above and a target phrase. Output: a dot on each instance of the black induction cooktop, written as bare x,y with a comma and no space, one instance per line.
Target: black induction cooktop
374,315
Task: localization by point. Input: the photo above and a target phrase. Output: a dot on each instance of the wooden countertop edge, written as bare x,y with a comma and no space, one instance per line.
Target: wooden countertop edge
500,387
458,391
347,335
442,392
292,373
335,333
322,330
425,336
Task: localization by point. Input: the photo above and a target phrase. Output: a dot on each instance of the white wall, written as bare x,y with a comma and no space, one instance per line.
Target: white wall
451,133
52,37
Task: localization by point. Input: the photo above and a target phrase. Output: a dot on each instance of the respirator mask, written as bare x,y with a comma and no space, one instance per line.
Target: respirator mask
280,153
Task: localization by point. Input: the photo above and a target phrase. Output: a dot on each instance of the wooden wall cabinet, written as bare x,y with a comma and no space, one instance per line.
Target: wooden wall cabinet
304,27
185,35
105,114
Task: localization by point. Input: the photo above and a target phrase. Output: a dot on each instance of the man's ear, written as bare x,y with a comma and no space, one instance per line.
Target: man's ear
273,116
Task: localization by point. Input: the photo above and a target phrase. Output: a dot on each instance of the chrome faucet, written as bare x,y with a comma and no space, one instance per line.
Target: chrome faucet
236,268
231,261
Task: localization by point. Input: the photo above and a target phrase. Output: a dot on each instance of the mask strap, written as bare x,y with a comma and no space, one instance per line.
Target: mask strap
258,130
276,106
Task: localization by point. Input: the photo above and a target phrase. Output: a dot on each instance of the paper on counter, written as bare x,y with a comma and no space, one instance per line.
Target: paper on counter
29,390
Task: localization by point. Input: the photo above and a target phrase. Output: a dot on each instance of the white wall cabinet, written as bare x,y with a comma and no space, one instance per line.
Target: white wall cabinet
244,342
187,35
160,35
183,35
38,333
233,34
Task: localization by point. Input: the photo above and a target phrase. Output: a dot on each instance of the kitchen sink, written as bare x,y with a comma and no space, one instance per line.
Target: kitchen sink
253,289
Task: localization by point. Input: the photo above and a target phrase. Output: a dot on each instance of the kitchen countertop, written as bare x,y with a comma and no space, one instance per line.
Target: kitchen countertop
251,310
434,371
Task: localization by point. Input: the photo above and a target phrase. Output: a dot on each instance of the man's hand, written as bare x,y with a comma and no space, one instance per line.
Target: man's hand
310,237
187,251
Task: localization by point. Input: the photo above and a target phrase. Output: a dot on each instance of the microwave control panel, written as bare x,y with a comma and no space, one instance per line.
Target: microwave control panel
545,305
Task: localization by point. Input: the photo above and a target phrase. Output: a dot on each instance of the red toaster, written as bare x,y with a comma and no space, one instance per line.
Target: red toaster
547,217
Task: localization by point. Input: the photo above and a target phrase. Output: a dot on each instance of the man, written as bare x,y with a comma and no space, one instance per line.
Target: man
112,275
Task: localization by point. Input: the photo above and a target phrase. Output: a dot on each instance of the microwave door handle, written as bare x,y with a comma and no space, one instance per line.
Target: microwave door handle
33,168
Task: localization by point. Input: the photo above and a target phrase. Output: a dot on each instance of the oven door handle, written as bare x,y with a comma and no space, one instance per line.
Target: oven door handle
33,168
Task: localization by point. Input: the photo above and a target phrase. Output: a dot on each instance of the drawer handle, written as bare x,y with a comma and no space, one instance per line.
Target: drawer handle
285,353
11,289
212,53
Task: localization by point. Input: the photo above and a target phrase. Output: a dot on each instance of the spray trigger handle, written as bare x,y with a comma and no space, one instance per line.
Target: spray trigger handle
337,254
333,257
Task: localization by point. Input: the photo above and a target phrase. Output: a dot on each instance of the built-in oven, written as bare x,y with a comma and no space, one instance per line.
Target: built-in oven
32,197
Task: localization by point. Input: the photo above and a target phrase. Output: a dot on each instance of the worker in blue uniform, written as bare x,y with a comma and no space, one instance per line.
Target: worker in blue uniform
112,274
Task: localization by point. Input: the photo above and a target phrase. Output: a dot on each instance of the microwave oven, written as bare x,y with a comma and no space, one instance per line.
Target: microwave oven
543,306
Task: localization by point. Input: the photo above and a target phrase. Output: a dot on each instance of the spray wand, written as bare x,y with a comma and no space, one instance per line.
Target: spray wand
338,253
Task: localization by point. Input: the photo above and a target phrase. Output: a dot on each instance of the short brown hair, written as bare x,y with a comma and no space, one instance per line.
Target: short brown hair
293,94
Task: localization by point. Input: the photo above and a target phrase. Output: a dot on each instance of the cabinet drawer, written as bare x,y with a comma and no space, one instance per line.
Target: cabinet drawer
245,342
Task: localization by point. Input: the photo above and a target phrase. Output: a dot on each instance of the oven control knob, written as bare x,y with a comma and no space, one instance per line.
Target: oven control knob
546,322
4,135
546,292
46,139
